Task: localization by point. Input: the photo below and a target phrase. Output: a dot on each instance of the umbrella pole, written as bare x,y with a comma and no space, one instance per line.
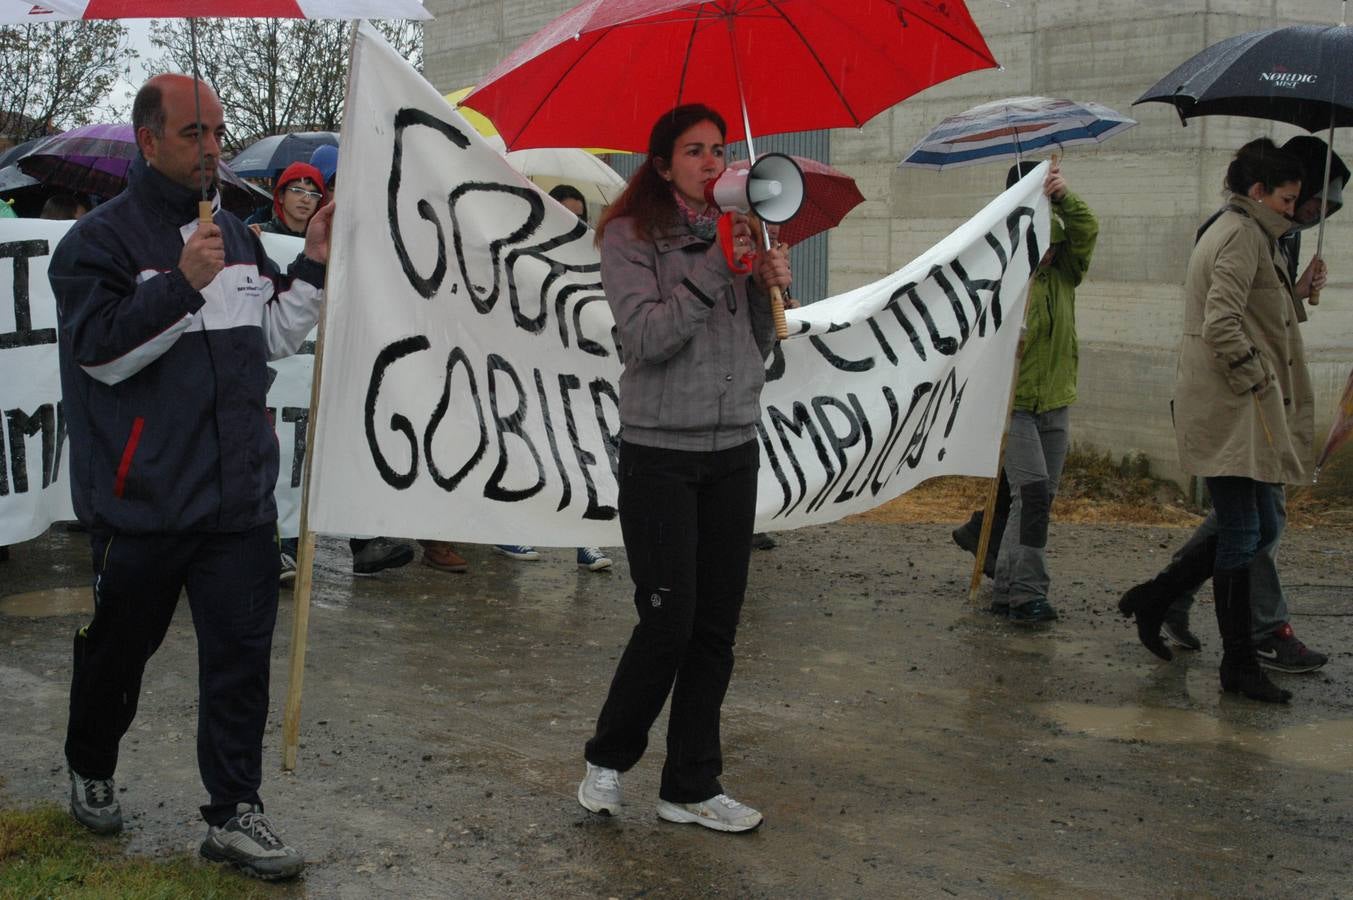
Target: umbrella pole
777,299
203,205
1314,298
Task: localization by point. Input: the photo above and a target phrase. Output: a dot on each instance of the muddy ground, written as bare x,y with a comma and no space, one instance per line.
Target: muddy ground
899,741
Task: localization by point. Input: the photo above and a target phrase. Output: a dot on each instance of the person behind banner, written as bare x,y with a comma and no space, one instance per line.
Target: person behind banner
1243,307
1036,445
369,555
298,195
693,337
165,328
64,206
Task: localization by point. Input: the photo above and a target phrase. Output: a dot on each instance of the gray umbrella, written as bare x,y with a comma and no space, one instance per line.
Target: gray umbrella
267,158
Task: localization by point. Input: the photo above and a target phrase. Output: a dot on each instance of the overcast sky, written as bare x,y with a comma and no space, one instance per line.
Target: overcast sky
138,36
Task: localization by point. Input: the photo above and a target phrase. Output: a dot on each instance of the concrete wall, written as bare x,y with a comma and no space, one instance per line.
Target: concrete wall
1150,186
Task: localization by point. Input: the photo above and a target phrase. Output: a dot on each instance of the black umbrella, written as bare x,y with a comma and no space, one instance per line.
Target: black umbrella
1299,74
266,158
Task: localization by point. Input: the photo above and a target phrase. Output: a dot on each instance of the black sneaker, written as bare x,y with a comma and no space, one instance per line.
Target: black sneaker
94,804
1033,612
1282,652
379,554
1176,628
1000,608
762,541
286,573
248,842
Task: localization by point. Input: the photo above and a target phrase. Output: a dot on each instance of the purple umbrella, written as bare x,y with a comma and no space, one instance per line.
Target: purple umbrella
94,159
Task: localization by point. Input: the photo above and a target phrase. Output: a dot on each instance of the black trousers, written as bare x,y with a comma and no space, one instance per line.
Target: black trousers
231,581
687,522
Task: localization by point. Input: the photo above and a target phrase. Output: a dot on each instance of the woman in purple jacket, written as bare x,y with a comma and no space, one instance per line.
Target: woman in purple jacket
694,329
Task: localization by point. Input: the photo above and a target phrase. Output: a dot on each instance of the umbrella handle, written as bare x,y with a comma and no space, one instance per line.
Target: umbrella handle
204,211
777,313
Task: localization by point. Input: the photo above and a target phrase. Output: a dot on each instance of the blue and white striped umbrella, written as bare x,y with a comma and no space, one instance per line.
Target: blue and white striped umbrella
1009,128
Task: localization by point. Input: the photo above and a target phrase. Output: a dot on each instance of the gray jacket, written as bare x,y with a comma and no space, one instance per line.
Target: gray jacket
693,340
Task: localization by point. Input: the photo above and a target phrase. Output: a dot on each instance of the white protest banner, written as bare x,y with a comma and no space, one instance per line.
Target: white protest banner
34,455
469,383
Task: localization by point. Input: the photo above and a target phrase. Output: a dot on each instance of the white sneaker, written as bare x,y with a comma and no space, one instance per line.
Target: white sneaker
720,812
600,790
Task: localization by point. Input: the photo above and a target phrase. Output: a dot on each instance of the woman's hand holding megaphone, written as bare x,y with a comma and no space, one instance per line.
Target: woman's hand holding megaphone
772,270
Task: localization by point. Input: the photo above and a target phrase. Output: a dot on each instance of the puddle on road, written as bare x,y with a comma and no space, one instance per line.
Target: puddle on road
65,601
1325,745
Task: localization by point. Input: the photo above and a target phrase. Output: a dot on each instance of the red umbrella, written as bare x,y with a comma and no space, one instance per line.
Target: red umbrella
828,194
233,9
602,73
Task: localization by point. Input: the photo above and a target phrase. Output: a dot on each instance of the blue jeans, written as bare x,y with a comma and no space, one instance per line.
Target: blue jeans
1268,604
1247,518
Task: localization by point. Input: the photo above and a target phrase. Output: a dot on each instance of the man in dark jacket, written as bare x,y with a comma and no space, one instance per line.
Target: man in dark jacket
167,324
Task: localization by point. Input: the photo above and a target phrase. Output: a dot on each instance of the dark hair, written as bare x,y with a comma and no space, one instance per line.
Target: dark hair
648,196
1261,162
1018,171
148,110
62,206
1309,150
562,192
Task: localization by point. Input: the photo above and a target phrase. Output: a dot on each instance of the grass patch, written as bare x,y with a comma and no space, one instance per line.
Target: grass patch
45,853
1094,488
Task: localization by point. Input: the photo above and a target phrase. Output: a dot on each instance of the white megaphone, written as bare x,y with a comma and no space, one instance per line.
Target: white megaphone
772,188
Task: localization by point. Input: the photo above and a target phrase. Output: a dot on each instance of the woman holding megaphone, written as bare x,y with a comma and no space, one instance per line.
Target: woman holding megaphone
690,295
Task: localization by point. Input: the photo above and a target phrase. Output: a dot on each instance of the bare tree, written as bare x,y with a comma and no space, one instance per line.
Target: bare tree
275,75
54,77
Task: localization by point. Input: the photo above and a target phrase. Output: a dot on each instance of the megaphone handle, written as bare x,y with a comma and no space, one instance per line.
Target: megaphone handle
777,313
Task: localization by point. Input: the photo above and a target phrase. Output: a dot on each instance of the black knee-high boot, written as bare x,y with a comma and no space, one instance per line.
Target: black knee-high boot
968,534
1150,600
1240,672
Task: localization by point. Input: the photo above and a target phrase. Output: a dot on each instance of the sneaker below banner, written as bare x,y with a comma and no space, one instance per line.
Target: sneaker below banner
287,574
249,842
379,554
518,552
593,559
720,812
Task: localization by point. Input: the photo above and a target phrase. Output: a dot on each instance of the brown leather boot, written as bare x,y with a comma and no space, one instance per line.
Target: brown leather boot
443,556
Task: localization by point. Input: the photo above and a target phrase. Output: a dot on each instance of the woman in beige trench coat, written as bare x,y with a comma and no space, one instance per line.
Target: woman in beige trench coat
1243,399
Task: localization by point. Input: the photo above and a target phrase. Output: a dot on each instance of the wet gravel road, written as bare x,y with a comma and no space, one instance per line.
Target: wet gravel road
899,741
